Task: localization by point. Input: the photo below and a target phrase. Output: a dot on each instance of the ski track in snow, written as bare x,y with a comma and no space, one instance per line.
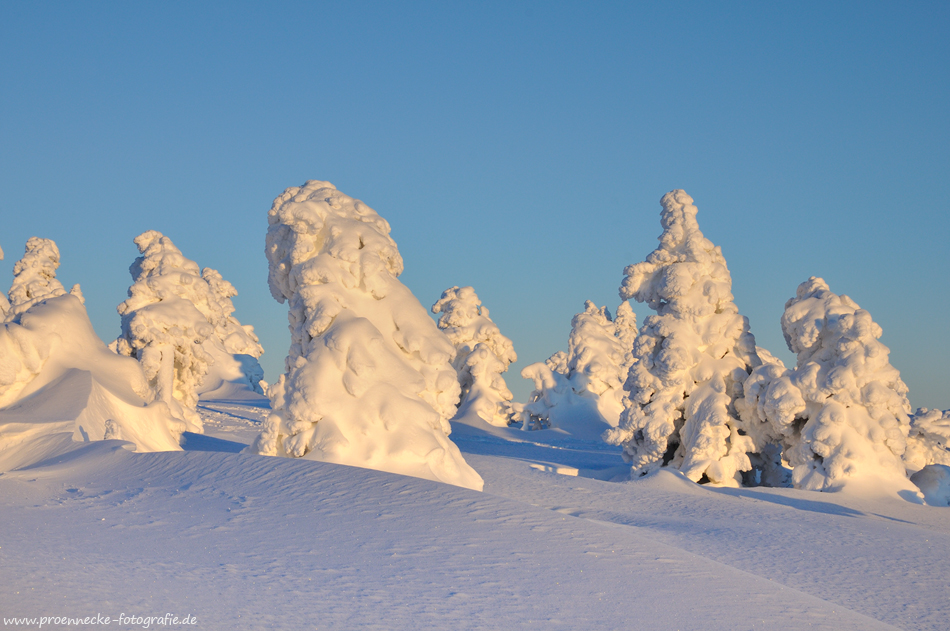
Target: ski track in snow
244,541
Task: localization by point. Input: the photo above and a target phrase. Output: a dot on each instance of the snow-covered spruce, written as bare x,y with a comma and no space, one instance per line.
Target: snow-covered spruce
368,378
929,439
60,384
482,355
581,391
34,277
842,413
178,323
692,358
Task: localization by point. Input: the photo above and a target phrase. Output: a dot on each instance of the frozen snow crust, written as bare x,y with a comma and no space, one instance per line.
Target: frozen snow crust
482,355
581,391
692,358
368,377
60,384
178,323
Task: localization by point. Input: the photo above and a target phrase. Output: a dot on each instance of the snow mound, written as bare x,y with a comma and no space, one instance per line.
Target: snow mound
60,384
841,414
178,323
368,378
581,391
692,358
482,355
934,482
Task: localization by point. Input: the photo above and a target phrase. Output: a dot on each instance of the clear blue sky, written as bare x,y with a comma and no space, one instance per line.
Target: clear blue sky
520,148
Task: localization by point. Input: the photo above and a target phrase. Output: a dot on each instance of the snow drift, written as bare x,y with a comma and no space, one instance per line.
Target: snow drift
692,358
59,384
368,378
483,354
581,391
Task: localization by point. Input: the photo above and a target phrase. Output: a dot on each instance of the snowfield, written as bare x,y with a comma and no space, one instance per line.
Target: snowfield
242,542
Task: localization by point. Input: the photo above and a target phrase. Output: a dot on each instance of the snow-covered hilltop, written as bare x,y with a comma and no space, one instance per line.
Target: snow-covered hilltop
368,378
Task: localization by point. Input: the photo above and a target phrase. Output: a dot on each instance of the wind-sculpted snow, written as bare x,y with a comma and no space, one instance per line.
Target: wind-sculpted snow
368,378
178,323
482,355
842,413
581,391
60,384
691,357
34,277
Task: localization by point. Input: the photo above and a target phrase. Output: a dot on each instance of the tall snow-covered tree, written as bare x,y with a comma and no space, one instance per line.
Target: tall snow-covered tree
34,277
482,355
4,303
581,391
842,413
929,439
369,380
692,357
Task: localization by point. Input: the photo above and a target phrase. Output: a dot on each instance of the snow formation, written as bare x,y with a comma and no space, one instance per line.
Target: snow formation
34,278
928,439
59,383
482,355
4,303
692,358
841,415
581,391
368,378
178,323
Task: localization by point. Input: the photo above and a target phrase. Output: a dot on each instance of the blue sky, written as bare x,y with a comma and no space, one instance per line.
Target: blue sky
520,148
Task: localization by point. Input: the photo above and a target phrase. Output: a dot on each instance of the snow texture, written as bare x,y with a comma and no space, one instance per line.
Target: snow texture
692,358
178,323
482,355
34,278
59,384
934,482
581,391
841,414
368,378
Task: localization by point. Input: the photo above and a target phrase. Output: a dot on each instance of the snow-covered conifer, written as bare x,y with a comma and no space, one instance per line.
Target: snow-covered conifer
368,379
482,355
34,277
581,391
692,357
842,413
929,439
4,303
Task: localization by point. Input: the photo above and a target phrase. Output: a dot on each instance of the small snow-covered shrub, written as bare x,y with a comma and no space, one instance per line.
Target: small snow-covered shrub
483,354
368,378
692,358
841,414
581,391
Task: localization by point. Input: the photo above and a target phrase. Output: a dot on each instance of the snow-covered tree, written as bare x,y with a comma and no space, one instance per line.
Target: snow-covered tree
34,277
929,439
581,391
368,379
482,355
692,357
842,413
4,303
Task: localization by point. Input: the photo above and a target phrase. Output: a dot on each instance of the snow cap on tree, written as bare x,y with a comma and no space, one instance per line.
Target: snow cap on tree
581,391
482,355
842,413
368,378
691,357
34,277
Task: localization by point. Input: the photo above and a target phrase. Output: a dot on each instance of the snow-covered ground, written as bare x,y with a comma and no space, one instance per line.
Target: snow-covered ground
250,542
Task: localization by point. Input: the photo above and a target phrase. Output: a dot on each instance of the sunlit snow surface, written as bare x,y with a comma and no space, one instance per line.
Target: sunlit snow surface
244,541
